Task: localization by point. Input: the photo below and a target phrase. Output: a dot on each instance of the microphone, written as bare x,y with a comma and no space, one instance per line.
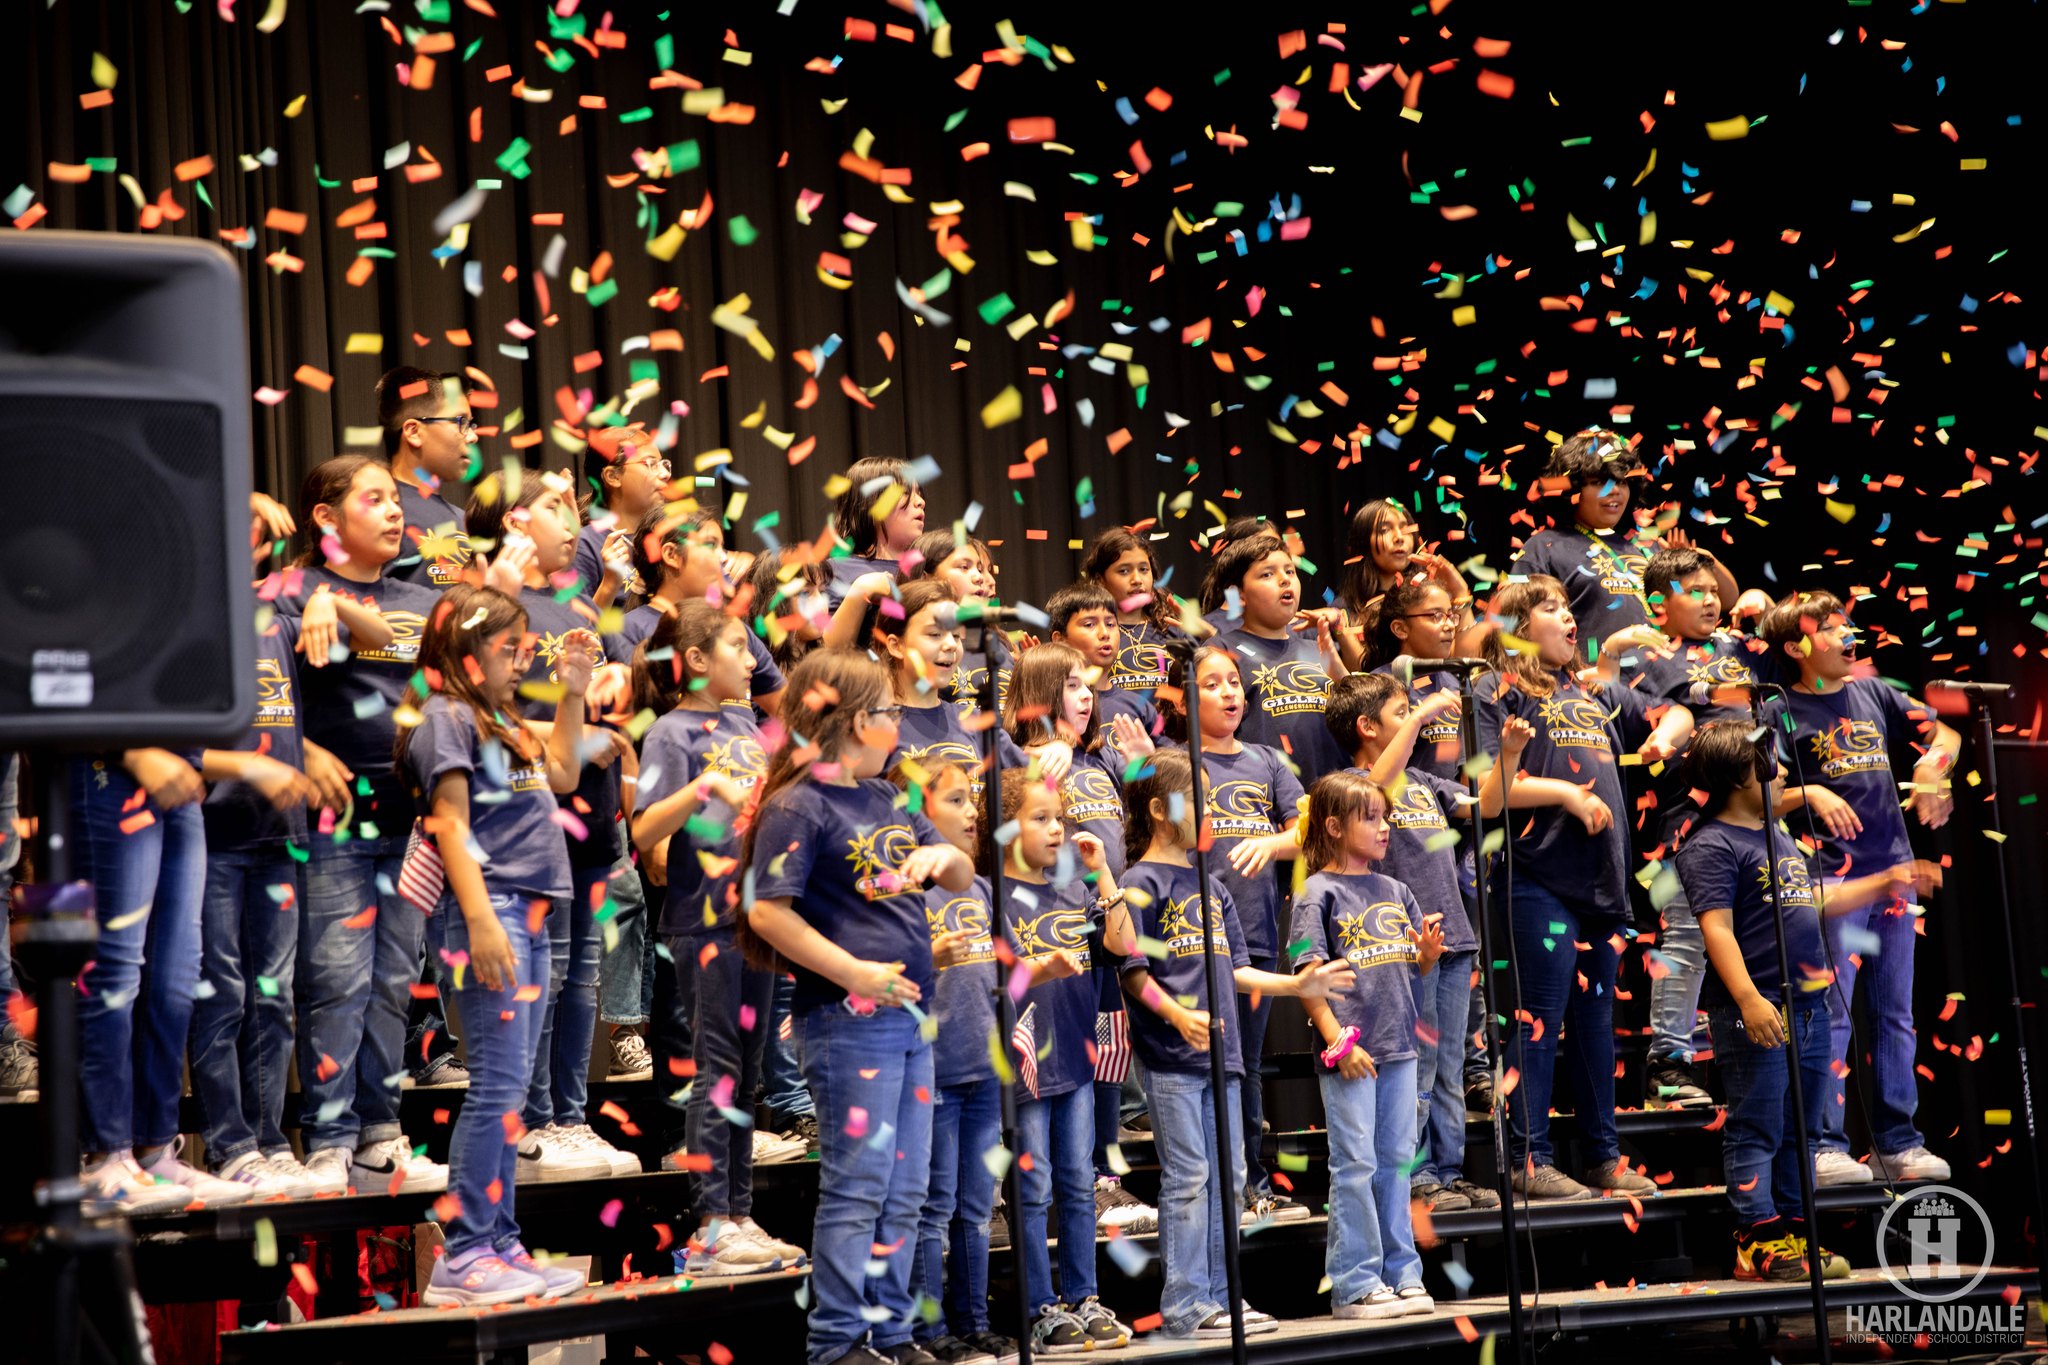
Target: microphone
1406,666
1024,614
1987,689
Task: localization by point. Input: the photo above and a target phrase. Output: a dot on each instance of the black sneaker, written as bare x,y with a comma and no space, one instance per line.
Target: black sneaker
1103,1328
1058,1332
18,1078
951,1350
442,1071
998,1230
910,1353
1286,1210
863,1355
1671,1085
1479,1096
1481,1196
994,1343
805,1127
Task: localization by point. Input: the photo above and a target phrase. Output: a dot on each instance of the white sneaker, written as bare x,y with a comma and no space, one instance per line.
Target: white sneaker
1415,1301
168,1165
327,1170
1831,1167
1915,1163
545,1156
771,1149
118,1185
288,1168
584,1138
789,1252
729,1252
1381,1303
630,1061
253,1171
389,1167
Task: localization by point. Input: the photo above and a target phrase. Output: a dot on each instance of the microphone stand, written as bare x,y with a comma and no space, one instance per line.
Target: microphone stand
1219,1081
1768,774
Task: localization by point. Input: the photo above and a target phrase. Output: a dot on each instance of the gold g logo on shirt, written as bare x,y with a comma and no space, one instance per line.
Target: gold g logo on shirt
1575,722
1180,925
876,856
739,758
1291,687
1794,877
1376,936
1089,794
963,915
1240,808
407,629
1053,930
1415,807
1851,746
273,694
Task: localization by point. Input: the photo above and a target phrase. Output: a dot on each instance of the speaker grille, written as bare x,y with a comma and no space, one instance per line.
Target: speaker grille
110,535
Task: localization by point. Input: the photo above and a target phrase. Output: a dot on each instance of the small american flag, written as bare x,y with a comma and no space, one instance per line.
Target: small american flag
1024,1038
1112,1047
421,877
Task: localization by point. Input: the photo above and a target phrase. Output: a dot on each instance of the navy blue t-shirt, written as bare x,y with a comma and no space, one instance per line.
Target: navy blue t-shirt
1602,576
1579,736
970,675
637,626
1438,749
1252,794
511,810
847,569
1689,672
935,734
1058,1016
1092,799
348,707
833,852
597,789
238,815
1112,702
1141,657
1726,867
436,544
1166,905
1364,919
1285,691
1422,850
589,561
676,750
964,1000
1847,741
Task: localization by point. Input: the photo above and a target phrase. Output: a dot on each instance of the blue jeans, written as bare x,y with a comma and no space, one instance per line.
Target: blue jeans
625,991
1193,1202
1550,966
135,1009
501,1034
951,1267
1443,999
783,1092
1059,1135
354,987
242,1031
1372,1140
728,1056
1675,996
871,1183
1887,973
1251,1021
561,1070
1760,1146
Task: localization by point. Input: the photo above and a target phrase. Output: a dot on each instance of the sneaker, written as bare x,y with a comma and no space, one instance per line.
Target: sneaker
253,1172
1479,1097
443,1071
1549,1183
1118,1210
805,1130
1058,1332
998,1230
789,1253
1101,1326
1415,1301
729,1251
1256,1324
1833,1265
584,1138
995,1344
1381,1303
560,1279
1258,1211
483,1278
770,1149
544,1158
1137,1129
118,1186
288,1168
1215,1327
950,1350
1775,1260
169,1166
1479,1196
631,1061
1616,1178
1286,1210
910,1353
1831,1167
18,1071
392,1167
1915,1163
327,1170
1671,1085
863,1355
1440,1198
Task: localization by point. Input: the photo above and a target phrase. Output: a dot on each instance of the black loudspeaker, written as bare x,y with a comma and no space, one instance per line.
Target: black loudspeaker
126,614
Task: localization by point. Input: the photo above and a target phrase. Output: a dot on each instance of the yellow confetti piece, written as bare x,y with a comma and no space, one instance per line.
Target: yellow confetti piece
1728,129
295,108
1441,429
365,343
104,73
273,17
265,1249
1996,836
1998,1118
1465,316
1841,511
1004,408
1778,302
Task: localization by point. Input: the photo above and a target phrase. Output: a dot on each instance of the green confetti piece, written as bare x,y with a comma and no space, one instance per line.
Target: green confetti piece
1297,948
199,188
685,155
598,295
265,1249
1293,1161
640,115
664,51
268,985
742,232
996,309
954,120
1151,947
297,854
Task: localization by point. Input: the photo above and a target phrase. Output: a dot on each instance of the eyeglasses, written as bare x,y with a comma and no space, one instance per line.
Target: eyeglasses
520,652
465,425
1439,616
654,465
889,713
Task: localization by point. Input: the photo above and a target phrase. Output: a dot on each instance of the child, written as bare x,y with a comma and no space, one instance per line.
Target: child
787,597
354,983
878,516
1201,1169
1287,673
699,761
1710,672
951,1266
919,641
838,870
1350,914
1417,619
1846,727
1147,617
429,436
680,556
962,564
1382,553
1729,879
1372,715
1252,808
1570,869
1221,610
1083,615
484,779
530,518
1049,921
625,478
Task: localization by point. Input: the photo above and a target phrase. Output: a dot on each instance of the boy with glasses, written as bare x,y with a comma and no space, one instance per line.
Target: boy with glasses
428,432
